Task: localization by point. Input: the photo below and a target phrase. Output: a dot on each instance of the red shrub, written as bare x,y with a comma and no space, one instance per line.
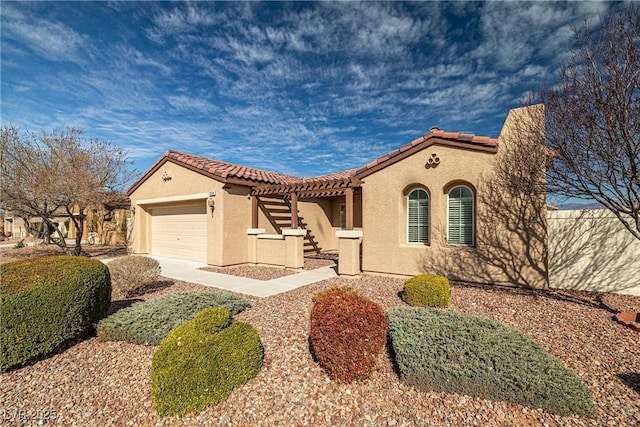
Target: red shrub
347,333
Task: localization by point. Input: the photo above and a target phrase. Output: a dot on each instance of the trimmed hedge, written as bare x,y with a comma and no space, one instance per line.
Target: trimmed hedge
132,275
427,290
148,322
47,301
202,361
439,350
347,333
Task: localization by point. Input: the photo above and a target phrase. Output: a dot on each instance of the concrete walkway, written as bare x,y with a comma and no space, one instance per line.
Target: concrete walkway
187,271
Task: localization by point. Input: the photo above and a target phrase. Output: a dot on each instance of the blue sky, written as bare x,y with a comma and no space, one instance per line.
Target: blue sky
299,88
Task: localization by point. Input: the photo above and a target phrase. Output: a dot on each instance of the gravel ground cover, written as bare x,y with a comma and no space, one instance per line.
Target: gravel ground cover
252,271
323,259
39,250
269,273
108,383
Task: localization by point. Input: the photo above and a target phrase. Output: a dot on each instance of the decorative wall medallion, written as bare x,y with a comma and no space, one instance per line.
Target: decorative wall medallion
166,176
433,161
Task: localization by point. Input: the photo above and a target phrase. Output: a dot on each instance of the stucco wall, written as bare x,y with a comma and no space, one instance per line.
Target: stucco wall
158,190
321,216
235,213
316,213
384,205
591,250
15,226
510,220
271,251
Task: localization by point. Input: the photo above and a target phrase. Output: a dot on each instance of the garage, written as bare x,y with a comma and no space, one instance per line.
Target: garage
180,231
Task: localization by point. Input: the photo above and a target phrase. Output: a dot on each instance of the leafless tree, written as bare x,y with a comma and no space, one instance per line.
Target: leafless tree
593,118
48,172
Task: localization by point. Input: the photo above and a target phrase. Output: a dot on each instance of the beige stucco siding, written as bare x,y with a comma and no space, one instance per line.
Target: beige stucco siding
235,214
510,222
316,213
170,185
384,208
592,251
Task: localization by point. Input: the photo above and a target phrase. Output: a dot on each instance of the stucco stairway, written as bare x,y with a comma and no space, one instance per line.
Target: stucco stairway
188,271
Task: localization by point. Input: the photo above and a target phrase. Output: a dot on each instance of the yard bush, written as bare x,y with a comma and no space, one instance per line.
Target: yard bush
45,302
148,322
427,290
202,361
347,333
133,275
439,350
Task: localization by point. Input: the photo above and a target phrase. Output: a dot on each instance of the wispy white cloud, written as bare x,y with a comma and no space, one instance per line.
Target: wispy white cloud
52,40
517,33
303,88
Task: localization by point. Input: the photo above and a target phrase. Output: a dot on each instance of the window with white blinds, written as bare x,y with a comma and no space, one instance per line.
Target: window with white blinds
418,216
460,216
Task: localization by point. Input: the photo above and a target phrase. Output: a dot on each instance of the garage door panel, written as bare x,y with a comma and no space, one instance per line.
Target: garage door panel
180,232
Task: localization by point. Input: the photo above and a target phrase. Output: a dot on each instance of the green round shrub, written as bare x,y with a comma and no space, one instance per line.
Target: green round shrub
47,301
427,290
202,361
347,333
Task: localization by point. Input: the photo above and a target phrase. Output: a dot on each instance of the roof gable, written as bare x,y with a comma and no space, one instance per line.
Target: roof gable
434,137
220,171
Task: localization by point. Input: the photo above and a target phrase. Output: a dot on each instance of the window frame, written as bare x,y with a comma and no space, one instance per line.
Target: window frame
426,242
450,189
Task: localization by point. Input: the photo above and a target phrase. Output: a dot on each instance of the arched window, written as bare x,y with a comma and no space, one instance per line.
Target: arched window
460,216
418,216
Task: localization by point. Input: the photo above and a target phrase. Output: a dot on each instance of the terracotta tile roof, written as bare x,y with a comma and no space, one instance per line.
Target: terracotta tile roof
268,182
226,170
435,135
332,176
218,170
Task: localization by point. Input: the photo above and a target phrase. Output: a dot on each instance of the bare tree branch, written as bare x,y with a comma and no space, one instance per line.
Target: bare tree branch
593,119
46,173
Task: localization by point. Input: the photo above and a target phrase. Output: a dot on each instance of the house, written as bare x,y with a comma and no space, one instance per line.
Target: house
107,223
420,208
16,227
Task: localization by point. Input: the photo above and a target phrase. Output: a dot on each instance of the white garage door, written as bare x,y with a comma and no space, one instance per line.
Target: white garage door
180,232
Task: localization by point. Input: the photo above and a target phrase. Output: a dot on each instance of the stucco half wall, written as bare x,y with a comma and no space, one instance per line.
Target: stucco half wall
590,250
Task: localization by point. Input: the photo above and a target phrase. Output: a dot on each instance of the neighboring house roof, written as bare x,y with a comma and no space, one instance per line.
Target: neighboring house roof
265,182
218,170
